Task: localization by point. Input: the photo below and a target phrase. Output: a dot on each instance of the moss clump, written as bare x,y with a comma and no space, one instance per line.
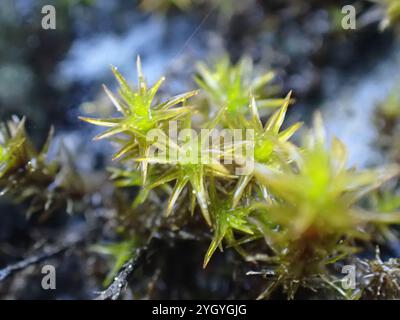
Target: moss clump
295,215
27,175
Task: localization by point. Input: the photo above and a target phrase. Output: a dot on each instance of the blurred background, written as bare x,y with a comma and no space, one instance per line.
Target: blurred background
52,76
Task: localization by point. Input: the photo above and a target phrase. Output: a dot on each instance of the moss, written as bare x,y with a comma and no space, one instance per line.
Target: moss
296,214
27,175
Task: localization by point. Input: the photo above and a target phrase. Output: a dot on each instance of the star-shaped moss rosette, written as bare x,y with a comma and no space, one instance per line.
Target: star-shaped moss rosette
189,162
270,144
227,222
140,114
228,85
315,220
